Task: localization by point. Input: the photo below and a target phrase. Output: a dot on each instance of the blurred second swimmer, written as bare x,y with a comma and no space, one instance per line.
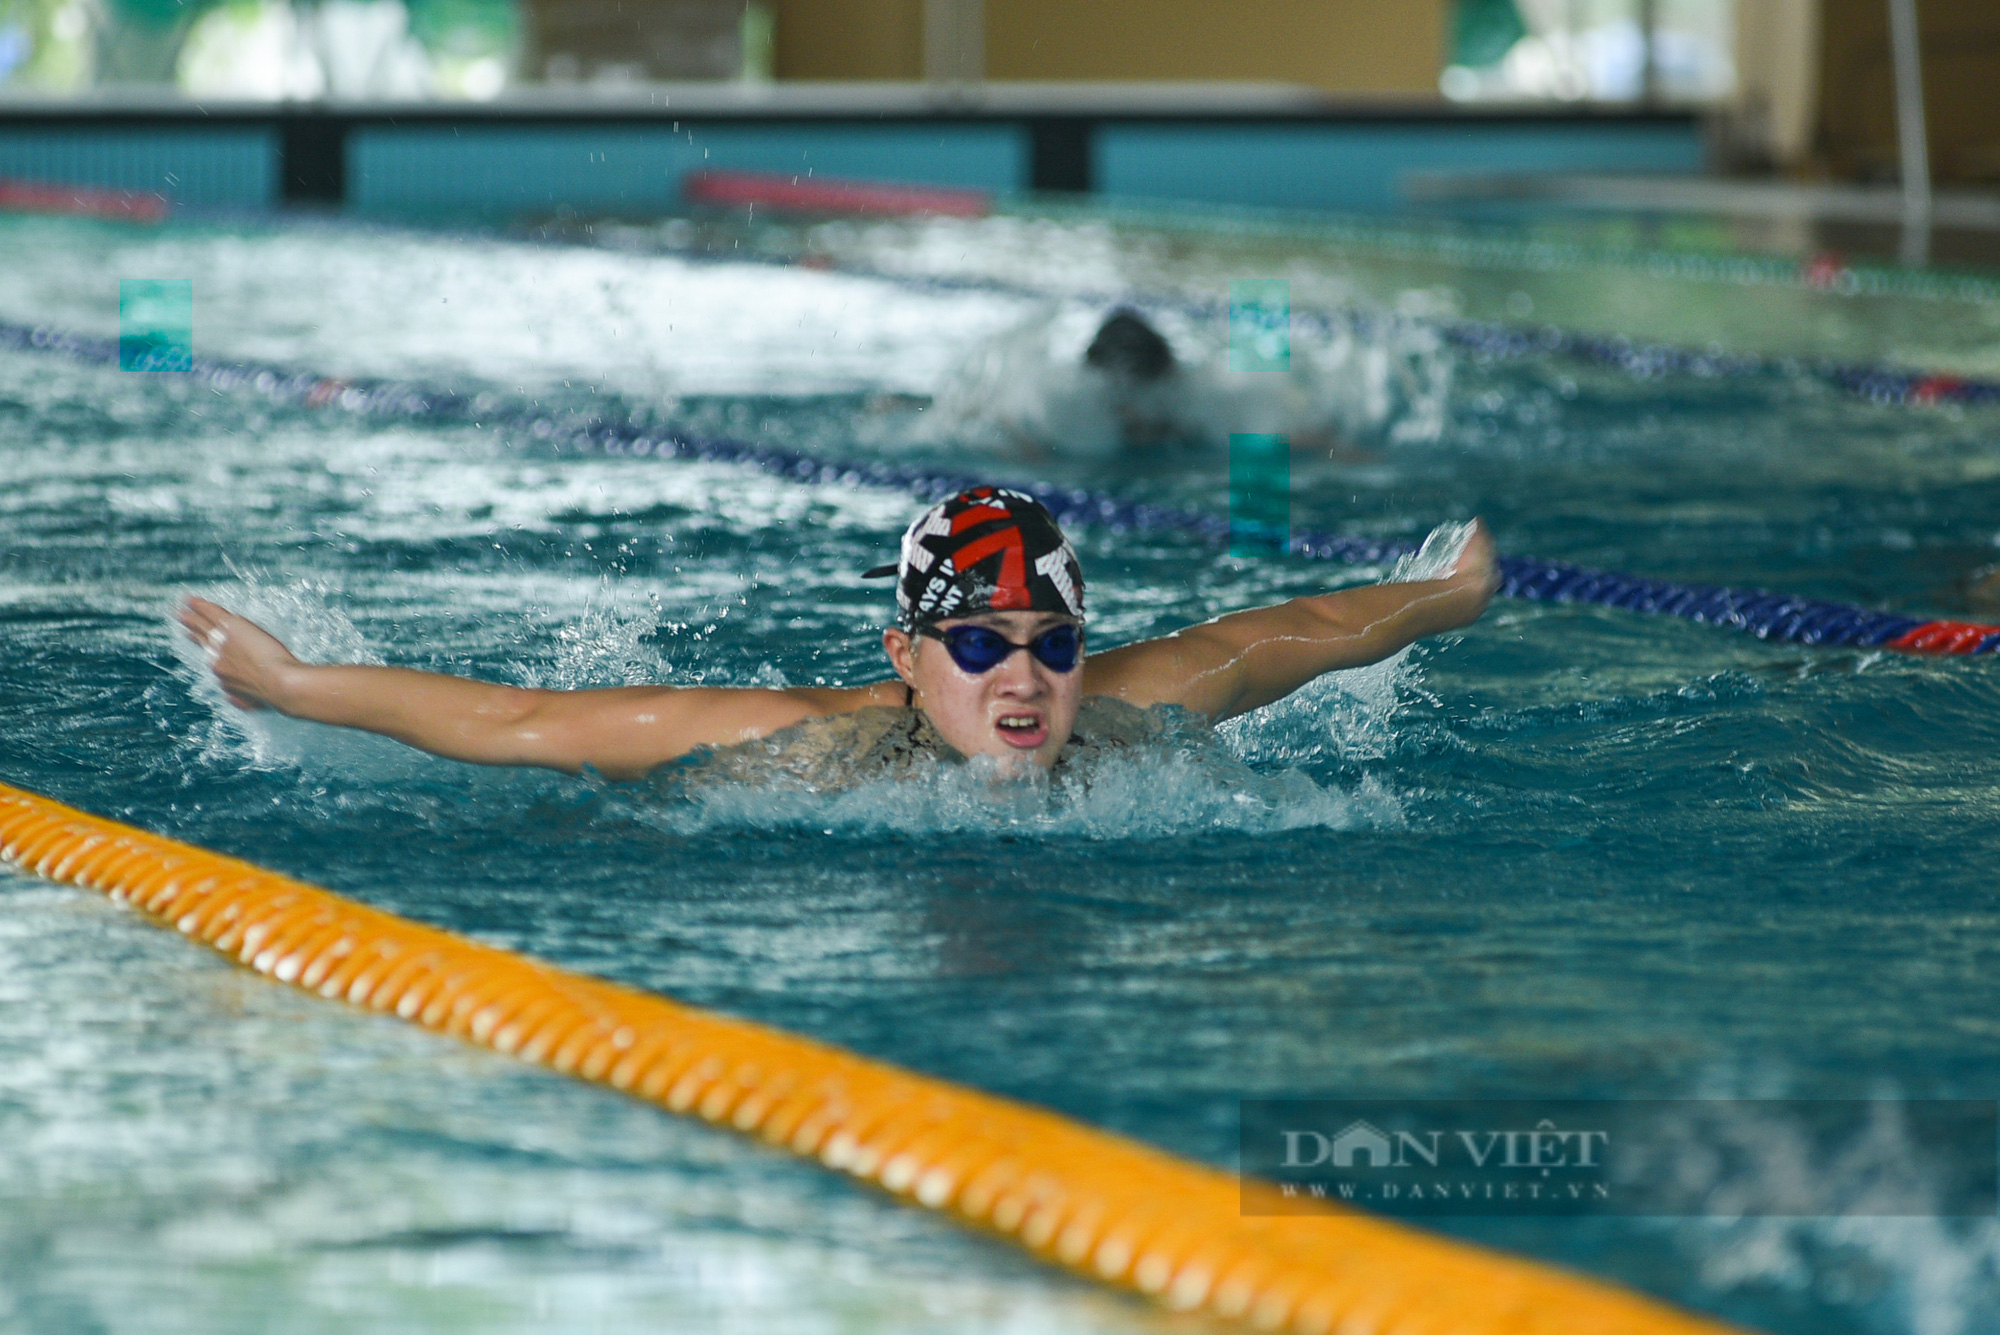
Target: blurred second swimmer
1126,384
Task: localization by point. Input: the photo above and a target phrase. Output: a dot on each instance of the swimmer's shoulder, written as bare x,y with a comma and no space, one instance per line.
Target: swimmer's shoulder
775,711
827,751
1109,720
809,702
626,731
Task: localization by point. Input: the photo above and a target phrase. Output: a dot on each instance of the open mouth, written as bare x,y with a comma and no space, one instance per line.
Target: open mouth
1026,731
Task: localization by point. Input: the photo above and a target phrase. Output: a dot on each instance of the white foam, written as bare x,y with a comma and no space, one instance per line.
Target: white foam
1928,1275
1029,386
1150,792
1354,716
303,613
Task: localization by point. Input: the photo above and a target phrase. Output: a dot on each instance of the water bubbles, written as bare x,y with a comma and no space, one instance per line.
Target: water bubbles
303,614
1153,792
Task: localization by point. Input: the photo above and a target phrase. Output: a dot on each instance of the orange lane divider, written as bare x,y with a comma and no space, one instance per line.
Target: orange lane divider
1103,1206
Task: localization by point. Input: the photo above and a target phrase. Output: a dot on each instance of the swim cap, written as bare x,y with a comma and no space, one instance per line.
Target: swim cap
984,550
1129,348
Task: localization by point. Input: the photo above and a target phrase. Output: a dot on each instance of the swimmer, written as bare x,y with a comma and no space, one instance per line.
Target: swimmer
1129,350
988,649
1132,395
1138,369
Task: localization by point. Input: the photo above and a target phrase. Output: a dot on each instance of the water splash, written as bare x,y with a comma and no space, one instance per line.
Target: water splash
1155,791
1921,1274
1356,716
1028,390
609,643
303,614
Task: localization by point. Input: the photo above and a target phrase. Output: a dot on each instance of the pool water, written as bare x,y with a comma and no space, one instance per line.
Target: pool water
1570,852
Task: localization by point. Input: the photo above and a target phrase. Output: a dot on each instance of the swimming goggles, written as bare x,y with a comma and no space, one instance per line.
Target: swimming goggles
980,649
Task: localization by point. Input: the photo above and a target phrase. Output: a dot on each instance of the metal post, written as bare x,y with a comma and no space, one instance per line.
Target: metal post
1649,68
954,42
1912,144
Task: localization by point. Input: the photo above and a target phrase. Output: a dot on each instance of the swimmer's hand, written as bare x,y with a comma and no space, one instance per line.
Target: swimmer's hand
1476,573
1240,662
250,664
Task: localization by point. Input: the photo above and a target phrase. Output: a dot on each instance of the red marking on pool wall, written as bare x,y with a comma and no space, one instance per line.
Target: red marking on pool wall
1943,637
124,205
817,194
1824,269
1935,388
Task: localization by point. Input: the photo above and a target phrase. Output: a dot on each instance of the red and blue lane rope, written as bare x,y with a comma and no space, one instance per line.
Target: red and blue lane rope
1878,384
1777,617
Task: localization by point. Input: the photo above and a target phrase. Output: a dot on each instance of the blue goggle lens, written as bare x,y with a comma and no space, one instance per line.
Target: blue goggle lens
978,649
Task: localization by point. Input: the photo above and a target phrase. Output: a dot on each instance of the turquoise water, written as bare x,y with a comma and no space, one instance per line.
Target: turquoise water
1569,853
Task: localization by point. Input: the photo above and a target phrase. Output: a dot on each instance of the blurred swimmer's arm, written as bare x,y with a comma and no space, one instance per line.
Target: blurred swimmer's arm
1236,663
622,732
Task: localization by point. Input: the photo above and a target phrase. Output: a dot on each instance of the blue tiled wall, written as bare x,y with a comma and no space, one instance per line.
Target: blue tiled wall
1358,167
502,168
424,168
229,167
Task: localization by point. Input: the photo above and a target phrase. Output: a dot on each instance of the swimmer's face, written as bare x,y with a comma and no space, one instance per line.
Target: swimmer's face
1020,712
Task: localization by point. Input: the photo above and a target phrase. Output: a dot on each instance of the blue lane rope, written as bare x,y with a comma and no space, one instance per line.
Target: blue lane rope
1877,384
1767,615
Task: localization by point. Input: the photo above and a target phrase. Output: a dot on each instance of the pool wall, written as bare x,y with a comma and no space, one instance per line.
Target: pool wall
630,155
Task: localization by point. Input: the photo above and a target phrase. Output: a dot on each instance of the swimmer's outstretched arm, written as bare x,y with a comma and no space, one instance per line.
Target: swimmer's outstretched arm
1238,662
622,732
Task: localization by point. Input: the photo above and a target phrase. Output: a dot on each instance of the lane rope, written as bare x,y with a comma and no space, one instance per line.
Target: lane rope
1768,615
1476,246
1107,1208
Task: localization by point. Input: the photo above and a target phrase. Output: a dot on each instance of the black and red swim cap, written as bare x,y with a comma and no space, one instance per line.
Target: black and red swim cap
986,549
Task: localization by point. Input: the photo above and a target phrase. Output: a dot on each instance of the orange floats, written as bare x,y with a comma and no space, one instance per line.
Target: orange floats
1107,1208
